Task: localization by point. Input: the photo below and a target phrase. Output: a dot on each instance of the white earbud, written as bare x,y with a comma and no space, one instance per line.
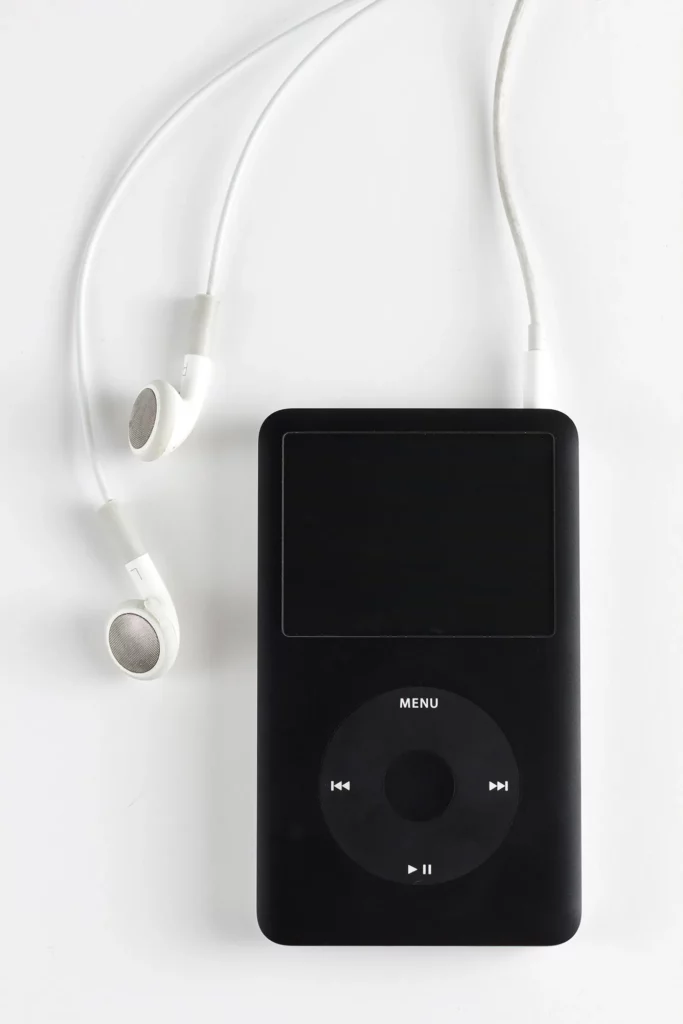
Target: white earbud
143,636
162,417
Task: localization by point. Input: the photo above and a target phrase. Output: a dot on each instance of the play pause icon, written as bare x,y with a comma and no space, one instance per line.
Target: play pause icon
426,869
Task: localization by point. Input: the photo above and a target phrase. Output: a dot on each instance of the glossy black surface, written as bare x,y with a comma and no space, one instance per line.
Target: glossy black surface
403,533
526,890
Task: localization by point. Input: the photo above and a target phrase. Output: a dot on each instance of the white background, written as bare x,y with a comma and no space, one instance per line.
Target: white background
369,265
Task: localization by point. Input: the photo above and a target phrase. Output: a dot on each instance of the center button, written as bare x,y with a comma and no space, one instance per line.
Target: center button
419,785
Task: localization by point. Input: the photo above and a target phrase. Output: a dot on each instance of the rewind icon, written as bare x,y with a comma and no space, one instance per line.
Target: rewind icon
340,785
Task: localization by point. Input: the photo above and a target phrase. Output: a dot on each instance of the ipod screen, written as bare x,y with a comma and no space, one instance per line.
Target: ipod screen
428,534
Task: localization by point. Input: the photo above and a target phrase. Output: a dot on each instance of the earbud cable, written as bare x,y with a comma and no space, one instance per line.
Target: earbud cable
535,359
102,217
535,356
106,210
221,231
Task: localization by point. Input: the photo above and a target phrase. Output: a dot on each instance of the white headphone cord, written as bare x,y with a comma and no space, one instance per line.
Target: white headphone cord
535,363
106,210
533,382
221,232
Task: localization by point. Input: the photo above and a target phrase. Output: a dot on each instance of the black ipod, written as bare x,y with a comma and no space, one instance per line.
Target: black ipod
418,708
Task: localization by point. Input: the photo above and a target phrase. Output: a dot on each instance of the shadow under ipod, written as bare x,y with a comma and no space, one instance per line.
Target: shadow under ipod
418,735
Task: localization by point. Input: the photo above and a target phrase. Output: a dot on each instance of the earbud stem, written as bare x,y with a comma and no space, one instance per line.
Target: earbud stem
197,368
151,588
138,563
205,312
196,379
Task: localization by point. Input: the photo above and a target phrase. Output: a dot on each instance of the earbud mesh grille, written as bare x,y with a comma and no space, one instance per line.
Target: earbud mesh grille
134,643
142,418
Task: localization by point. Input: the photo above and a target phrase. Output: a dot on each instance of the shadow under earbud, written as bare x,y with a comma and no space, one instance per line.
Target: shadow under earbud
113,412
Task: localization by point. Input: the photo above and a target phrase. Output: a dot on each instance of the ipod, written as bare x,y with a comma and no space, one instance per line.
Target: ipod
418,707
